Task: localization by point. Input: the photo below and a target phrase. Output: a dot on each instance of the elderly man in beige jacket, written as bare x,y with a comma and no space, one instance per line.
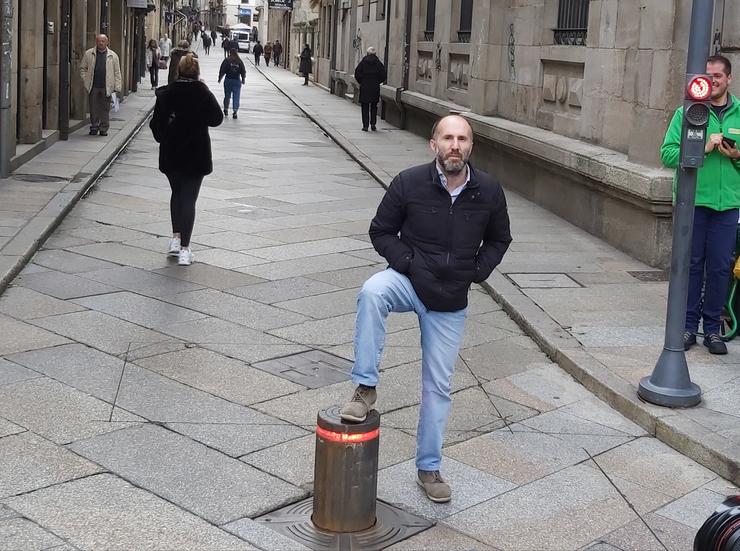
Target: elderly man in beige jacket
101,74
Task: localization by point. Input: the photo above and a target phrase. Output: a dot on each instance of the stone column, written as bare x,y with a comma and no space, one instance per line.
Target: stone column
486,51
53,15
79,44
30,70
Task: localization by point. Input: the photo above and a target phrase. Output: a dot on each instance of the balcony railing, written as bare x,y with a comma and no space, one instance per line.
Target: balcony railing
463,36
572,22
429,36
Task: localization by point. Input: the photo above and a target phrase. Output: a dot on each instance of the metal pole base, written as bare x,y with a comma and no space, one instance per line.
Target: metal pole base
670,385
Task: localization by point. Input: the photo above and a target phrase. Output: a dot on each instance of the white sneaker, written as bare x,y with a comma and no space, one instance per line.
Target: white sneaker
185,258
174,247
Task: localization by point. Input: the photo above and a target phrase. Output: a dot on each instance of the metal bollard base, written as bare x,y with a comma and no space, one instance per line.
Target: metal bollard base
392,525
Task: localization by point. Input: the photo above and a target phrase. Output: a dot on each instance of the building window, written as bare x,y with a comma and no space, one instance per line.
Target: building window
572,22
466,20
380,10
366,10
431,13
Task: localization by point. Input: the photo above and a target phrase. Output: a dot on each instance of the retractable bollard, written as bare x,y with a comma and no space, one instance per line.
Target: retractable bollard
345,472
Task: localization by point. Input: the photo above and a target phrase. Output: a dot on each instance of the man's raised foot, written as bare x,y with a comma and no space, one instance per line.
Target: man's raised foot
356,410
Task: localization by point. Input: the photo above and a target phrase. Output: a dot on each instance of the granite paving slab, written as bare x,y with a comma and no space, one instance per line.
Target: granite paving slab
693,508
304,266
581,507
239,310
19,336
24,304
11,373
164,400
271,292
63,286
203,481
397,486
57,411
69,262
309,248
78,366
326,305
141,281
7,428
236,439
143,311
216,374
348,278
125,255
101,331
298,235
210,276
222,258
31,462
21,533
105,512
235,241
440,537
635,536
550,384
106,233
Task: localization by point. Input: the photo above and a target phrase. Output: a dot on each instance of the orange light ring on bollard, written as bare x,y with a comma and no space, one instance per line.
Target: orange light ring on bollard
347,438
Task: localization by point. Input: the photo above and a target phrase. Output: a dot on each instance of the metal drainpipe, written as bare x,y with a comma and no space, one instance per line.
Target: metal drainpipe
64,40
335,34
7,142
385,55
406,61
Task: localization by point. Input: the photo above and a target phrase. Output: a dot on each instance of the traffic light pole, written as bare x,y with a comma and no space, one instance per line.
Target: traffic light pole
670,384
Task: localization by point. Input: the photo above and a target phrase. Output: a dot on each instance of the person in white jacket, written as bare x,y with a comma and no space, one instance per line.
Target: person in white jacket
152,62
165,46
101,75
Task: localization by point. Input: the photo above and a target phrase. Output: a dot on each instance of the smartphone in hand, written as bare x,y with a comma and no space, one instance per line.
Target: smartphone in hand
728,142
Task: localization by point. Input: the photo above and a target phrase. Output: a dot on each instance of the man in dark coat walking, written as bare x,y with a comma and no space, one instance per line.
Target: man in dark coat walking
306,65
257,51
277,51
370,74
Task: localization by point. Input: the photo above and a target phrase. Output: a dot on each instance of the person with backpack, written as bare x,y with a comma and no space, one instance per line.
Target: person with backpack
234,74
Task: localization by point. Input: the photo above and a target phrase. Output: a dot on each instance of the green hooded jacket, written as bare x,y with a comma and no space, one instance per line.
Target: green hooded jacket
718,181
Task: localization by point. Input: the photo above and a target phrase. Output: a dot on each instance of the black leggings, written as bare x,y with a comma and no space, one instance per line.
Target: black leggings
185,188
154,75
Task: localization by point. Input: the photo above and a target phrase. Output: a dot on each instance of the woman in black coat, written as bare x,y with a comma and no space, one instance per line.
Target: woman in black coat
182,114
306,64
370,74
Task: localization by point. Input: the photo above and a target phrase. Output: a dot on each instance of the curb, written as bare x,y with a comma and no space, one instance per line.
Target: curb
679,432
33,235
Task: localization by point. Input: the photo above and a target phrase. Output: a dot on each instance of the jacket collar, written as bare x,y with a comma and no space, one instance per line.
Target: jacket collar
472,183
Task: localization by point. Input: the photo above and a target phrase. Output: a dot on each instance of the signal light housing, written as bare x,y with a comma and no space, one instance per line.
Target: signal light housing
699,88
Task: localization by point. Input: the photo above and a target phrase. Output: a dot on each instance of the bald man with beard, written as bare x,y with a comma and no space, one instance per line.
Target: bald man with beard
441,226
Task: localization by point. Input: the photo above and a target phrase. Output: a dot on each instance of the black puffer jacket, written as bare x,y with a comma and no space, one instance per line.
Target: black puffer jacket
442,247
183,112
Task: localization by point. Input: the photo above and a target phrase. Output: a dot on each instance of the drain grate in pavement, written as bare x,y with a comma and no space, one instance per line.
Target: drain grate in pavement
393,525
651,275
38,178
313,369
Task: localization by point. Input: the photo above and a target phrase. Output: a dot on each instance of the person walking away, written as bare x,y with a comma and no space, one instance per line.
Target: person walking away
441,226
370,74
268,53
153,53
100,70
716,207
206,44
165,46
183,112
306,64
214,36
277,51
257,51
183,48
234,74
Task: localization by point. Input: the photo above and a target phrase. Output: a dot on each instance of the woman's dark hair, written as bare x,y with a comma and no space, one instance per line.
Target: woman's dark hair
233,54
152,41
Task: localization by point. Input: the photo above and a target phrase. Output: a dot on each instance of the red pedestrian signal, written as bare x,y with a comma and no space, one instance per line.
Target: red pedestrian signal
699,88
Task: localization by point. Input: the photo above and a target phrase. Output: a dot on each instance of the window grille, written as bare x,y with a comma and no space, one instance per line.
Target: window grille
572,22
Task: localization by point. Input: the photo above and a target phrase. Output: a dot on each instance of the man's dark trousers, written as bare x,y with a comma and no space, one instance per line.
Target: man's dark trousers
712,245
369,114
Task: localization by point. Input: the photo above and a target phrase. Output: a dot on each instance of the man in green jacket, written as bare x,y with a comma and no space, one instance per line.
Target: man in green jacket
716,210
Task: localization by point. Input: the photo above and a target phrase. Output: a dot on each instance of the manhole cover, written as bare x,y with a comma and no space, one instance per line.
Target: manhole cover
392,525
38,178
652,275
313,369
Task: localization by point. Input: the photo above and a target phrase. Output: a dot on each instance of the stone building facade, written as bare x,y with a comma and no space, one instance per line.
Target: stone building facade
569,99
36,27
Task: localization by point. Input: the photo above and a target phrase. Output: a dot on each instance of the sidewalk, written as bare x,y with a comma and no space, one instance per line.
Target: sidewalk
597,312
144,405
40,192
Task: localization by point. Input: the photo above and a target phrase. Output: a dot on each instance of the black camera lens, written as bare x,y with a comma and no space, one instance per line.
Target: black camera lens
721,531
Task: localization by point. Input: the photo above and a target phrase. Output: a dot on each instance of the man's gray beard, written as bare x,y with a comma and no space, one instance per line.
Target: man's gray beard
453,167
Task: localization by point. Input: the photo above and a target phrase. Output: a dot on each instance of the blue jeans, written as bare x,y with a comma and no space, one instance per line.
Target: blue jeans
712,245
441,335
232,87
